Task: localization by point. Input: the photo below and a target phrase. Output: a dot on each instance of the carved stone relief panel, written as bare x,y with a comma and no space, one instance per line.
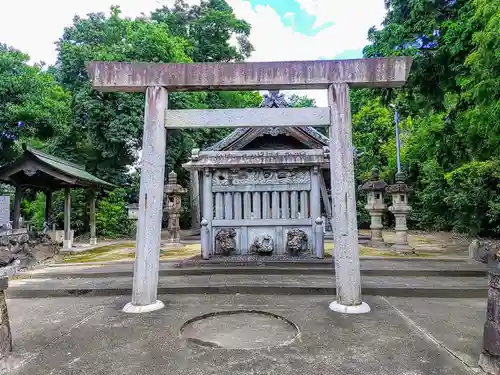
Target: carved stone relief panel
226,241
262,244
296,241
260,176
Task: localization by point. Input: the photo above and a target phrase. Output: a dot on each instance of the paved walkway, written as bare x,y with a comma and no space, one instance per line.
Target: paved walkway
91,336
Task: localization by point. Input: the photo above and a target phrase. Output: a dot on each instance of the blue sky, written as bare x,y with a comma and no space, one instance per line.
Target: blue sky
296,18
281,29
293,16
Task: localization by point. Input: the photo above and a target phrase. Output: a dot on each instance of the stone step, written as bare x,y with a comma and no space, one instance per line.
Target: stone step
263,270
414,286
376,267
369,267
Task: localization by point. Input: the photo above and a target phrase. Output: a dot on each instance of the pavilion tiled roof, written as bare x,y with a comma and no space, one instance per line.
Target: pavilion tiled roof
75,171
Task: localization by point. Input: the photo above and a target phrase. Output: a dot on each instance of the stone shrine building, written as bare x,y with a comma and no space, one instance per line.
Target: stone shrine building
261,184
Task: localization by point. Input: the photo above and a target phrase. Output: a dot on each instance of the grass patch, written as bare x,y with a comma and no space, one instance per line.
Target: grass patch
89,256
372,252
421,240
365,251
110,254
185,252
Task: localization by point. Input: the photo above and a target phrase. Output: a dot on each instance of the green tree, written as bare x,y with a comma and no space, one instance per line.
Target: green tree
299,101
111,215
32,104
474,189
438,34
106,129
451,104
208,28
480,122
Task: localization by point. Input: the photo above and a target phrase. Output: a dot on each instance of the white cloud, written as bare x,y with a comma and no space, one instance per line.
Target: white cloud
33,26
34,32
274,42
354,15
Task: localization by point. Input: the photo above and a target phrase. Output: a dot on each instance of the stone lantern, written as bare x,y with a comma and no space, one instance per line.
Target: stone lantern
174,192
489,359
376,207
6,270
400,209
133,216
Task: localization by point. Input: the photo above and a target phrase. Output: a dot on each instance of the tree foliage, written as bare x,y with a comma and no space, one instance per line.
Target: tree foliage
32,104
451,105
107,127
208,28
111,215
103,131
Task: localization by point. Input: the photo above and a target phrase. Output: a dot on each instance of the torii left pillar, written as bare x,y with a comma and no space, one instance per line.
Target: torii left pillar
147,252
345,229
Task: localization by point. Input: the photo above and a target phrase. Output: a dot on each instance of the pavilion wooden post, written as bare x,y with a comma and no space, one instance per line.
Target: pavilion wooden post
48,205
315,197
147,253
92,200
16,214
195,200
67,242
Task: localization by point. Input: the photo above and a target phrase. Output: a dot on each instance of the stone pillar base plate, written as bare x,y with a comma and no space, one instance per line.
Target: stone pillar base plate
93,241
358,309
130,308
67,244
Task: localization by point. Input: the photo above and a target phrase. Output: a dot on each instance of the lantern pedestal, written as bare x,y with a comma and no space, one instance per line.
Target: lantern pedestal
400,209
376,207
173,192
5,331
489,360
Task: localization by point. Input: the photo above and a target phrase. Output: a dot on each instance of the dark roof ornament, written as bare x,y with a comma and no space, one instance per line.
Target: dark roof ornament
400,186
274,99
374,183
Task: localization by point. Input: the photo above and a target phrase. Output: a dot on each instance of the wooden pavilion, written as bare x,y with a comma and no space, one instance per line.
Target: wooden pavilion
43,172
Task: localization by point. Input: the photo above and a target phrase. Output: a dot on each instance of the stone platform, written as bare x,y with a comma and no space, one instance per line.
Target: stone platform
403,278
91,336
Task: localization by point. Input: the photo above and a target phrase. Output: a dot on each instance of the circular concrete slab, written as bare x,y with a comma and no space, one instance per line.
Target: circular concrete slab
241,329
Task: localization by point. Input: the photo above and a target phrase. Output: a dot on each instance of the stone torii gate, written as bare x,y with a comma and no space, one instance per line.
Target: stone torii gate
337,76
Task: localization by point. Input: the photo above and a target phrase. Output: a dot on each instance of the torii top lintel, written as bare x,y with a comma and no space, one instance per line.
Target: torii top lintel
136,77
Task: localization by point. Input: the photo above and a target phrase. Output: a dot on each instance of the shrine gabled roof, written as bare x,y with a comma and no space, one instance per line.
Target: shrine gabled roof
54,166
274,99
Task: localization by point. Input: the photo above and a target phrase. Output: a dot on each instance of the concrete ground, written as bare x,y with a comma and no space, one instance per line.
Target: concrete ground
401,336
